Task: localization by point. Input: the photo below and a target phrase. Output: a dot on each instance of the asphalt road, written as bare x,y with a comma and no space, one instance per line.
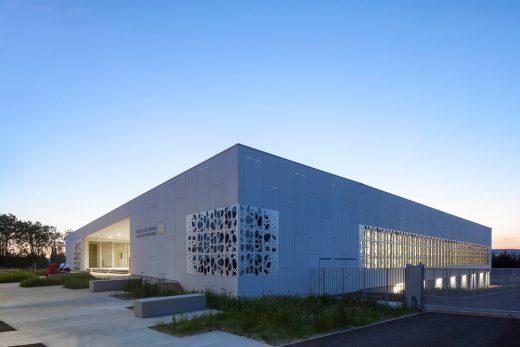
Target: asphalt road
429,329
506,300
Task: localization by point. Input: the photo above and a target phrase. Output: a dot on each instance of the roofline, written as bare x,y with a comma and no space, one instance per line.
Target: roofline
160,184
360,183
292,161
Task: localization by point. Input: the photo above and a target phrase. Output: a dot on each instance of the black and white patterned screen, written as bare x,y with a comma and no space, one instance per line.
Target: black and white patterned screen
211,242
258,247
77,255
231,241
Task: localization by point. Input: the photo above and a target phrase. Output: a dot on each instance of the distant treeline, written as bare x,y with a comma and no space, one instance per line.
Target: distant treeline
25,243
505,260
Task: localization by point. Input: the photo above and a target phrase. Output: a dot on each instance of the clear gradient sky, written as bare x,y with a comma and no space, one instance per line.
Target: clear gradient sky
103,100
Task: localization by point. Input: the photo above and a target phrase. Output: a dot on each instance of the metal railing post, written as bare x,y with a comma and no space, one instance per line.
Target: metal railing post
518,282
322,275
445,279
386,287
364,281
458,284
343,280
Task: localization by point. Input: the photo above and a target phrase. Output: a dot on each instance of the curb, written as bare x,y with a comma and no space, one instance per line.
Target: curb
474,312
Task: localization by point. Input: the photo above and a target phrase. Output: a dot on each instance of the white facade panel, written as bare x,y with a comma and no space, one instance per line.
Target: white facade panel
319,219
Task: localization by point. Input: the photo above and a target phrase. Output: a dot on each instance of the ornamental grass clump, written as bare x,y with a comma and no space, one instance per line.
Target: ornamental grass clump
281,319
138,288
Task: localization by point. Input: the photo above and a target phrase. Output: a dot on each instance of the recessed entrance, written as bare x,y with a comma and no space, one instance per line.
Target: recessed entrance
92,254
109,248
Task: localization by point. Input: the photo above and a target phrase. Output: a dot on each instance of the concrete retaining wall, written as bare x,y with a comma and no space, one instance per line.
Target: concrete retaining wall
160,306
108,285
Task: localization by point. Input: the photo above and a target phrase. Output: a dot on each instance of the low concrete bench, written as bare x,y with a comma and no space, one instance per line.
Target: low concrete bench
164,305
108,285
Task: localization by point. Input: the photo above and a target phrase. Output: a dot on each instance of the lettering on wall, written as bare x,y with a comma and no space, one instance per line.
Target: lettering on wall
77,255
149,231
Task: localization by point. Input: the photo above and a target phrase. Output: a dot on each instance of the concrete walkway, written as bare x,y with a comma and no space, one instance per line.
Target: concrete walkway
57,316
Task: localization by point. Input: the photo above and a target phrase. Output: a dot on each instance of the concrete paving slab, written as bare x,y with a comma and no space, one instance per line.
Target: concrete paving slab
56,316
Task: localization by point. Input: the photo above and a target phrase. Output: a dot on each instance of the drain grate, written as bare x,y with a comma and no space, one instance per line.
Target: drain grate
5,327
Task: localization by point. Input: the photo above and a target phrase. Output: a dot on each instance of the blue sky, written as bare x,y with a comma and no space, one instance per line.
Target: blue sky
102,100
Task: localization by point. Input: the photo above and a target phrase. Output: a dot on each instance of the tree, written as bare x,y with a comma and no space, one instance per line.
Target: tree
57,245
8,224
23,243
505,260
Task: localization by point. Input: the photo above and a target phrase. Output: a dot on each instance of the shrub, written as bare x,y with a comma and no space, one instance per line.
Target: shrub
41,272
280,319
16,276
18,261
71,281
41,281
143,289
77,281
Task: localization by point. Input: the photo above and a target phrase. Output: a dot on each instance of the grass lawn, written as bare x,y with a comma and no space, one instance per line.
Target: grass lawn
71,281
281,319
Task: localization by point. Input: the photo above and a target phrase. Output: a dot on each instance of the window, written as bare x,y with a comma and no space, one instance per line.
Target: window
386,248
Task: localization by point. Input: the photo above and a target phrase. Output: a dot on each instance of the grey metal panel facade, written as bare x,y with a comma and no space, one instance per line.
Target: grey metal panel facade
211,184
319,219
320,215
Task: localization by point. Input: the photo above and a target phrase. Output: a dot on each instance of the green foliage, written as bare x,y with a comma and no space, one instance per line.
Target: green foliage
24,261
280,319
42,281
143,289
16,276
71,281
505,260
77,281
24,243
41,272
57,258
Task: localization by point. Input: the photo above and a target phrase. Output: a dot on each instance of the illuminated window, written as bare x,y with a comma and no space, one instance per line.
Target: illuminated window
386,248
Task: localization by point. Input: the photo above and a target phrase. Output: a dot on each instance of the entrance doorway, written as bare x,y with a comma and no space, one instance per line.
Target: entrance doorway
92,255
108,249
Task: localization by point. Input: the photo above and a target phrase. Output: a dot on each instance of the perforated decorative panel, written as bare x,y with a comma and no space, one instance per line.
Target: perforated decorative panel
258,250
232,240
211,242
77,255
